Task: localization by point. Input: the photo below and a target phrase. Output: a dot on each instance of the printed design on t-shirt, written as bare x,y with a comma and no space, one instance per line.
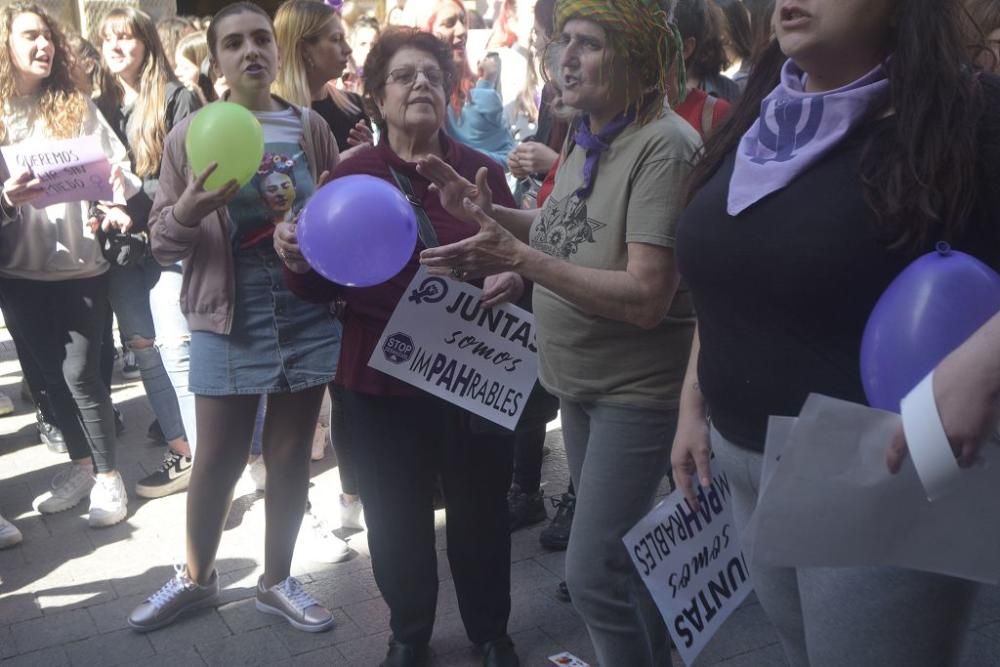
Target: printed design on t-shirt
564,226
275,182
276,193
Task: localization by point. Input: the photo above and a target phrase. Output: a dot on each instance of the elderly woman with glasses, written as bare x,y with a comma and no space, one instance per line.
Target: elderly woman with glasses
408,438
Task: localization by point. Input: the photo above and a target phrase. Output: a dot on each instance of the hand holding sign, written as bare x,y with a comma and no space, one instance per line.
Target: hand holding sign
196,202
492,250
22,188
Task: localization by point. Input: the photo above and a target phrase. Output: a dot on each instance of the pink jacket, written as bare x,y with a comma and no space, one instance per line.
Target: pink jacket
209,286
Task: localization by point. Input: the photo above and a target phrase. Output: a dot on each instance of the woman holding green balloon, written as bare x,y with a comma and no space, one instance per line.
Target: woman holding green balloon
249,334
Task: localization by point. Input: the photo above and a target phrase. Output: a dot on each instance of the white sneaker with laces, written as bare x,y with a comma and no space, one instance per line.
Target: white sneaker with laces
9,534
108,501
69,487
258,473
321,545
351,513
290,600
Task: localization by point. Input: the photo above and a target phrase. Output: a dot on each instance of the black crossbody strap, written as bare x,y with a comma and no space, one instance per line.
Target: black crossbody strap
424,227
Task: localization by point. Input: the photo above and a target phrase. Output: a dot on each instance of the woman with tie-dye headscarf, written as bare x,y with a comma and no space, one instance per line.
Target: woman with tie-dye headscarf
613,323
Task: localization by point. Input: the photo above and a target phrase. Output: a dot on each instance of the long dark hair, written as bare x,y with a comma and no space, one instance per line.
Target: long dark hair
920,177
737,26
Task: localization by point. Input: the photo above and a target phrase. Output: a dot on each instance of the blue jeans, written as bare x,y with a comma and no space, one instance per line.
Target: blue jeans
173,341
129,292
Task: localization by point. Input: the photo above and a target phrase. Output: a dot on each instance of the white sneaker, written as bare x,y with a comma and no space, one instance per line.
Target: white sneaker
108,501
6,405
321,545
351,514
258,473
9,534
69,487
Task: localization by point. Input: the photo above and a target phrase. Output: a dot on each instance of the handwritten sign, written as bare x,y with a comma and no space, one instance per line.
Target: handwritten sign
71,170
692,564
442,340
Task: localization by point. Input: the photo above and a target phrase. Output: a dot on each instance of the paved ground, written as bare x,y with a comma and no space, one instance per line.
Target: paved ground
65,593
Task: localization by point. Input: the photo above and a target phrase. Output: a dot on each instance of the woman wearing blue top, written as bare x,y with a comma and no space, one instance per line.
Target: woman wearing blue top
475,113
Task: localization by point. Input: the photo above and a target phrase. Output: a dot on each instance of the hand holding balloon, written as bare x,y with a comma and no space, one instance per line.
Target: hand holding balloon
196,202
286,244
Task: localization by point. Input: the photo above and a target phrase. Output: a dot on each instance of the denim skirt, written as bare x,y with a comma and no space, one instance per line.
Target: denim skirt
278,343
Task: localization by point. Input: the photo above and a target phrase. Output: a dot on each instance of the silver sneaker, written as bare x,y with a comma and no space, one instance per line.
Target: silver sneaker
178,596
69,487
290,600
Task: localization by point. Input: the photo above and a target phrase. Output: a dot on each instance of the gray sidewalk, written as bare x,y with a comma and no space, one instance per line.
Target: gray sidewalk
65,592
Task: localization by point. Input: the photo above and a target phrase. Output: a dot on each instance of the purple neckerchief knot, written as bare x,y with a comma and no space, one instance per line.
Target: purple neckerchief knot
595,144
796,129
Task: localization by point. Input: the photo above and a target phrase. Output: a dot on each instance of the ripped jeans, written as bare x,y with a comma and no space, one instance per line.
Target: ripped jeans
132,298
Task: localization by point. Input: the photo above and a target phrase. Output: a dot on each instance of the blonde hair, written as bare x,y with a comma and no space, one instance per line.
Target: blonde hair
61,106
193,47
147,126
297,23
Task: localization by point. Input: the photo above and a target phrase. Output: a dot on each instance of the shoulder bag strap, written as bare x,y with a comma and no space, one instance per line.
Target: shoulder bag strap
708,115
424,227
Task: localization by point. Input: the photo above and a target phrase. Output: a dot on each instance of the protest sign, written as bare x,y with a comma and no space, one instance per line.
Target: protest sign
442,340
691,563
70,170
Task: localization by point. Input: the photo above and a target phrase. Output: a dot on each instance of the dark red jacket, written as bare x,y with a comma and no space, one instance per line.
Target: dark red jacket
369,308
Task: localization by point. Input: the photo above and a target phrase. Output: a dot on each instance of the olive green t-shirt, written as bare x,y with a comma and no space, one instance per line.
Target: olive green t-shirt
638,197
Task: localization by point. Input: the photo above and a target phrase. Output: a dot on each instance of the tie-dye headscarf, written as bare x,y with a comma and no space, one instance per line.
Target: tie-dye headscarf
643,35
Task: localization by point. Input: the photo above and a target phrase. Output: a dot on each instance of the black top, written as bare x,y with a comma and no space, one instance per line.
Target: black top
784,290
180,103
339,121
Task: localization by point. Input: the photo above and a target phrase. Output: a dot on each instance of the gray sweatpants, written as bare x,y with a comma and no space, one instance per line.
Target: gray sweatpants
831,617
617,457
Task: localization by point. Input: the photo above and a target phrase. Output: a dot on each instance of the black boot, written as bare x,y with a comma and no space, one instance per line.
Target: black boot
50,434
406,655
500,653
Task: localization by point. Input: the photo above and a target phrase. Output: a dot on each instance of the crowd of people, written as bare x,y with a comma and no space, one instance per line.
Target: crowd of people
699,200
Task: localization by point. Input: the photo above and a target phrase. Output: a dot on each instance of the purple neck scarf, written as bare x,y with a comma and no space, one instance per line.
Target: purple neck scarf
595,144
796,129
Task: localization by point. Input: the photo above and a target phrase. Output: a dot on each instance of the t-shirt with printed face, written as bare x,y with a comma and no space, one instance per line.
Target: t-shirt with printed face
281,186
638,196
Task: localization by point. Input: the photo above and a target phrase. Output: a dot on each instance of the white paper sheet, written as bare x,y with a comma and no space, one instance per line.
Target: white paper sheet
832,502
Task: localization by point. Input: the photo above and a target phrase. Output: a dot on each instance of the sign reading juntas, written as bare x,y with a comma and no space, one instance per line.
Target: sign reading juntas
70,169
441,339
691,563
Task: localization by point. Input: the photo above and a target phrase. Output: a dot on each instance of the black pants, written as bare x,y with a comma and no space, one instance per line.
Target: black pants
60,326
342,442
542,408
403,444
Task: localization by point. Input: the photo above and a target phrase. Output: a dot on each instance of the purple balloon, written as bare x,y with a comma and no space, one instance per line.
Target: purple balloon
930,309
358,231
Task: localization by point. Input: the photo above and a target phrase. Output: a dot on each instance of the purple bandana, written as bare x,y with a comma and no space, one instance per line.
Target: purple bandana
595,144
796,129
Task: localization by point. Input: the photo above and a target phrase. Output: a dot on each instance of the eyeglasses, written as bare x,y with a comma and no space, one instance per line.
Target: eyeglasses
407,76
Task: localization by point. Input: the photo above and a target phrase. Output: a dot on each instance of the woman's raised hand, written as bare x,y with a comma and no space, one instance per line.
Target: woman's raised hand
453,188
195,202
360,134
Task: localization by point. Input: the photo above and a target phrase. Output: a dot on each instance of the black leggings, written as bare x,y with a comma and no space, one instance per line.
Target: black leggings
60,326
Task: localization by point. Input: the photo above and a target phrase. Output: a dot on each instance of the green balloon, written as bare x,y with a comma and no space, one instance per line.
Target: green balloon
229,134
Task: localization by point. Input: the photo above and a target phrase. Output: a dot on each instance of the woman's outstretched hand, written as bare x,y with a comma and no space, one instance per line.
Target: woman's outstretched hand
453,188
493,250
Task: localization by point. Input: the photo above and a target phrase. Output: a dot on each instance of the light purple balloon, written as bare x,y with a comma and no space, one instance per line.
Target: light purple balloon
358,231
930,309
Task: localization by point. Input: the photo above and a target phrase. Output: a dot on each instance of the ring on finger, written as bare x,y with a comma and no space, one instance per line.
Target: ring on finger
457,273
